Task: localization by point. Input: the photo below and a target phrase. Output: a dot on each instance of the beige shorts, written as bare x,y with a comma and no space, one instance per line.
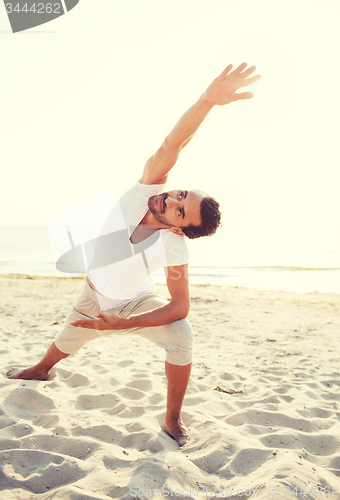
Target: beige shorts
176,337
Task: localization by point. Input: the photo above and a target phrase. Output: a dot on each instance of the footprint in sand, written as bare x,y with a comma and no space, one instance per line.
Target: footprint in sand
63,445
143,385
132,412
91,401
74,379
26,401
129,393
156,398
248,460
124,364
320,412
18,470
323,445
104,433
19,430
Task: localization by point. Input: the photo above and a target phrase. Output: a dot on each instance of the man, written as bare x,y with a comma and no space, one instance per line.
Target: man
125,294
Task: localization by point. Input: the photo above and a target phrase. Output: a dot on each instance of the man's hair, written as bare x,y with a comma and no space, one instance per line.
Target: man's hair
211,219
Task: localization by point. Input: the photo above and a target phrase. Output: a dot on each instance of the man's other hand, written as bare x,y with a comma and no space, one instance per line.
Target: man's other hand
223,89
104,322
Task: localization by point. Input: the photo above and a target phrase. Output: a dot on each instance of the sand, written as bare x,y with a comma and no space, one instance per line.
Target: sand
262,406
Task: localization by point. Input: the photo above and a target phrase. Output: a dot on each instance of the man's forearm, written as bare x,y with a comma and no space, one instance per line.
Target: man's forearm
188,124
157,317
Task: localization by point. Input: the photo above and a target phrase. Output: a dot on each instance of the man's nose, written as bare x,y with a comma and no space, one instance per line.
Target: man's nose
170,201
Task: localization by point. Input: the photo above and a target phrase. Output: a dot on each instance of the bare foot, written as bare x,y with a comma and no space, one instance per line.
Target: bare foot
177,431
28,374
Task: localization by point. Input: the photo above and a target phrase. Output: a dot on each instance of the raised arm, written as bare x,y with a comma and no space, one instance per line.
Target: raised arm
220,92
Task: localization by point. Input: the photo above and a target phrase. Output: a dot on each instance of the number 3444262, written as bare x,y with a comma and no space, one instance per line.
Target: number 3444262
38,8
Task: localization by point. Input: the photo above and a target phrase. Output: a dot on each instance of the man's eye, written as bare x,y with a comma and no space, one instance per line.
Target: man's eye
179,211
181,195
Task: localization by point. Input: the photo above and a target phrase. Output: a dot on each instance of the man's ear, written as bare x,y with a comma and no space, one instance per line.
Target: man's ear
177,230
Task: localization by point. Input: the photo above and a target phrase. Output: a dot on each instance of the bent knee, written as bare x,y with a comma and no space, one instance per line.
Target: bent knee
181,331
179,352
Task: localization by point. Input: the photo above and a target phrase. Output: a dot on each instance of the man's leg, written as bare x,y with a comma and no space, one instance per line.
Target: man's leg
42,369
177,340
178,379
69,338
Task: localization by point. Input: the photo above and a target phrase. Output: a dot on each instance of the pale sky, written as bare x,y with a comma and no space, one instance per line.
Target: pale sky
84,104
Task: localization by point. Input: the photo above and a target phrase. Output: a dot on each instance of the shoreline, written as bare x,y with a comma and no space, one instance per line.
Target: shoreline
28,277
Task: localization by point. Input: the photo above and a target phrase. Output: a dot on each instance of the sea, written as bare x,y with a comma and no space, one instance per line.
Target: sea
213,261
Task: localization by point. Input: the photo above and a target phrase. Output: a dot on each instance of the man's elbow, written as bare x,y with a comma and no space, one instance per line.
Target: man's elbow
182,310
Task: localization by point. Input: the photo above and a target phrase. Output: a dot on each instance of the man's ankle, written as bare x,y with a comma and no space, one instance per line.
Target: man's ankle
173,419
39,370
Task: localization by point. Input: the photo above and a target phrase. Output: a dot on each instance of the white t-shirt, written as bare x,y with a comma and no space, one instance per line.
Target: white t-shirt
121,270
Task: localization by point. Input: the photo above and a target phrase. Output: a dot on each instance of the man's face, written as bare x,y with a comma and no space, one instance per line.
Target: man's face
177,208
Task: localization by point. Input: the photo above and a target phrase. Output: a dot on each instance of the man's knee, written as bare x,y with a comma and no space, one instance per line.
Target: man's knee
181,331
182,341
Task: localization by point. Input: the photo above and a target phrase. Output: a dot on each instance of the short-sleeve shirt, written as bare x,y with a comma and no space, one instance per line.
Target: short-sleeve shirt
122,270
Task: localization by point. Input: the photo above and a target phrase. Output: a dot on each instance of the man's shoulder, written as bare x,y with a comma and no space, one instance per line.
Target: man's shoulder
175,246
172,240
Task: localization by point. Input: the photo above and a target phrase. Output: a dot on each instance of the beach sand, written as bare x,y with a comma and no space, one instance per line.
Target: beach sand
92,431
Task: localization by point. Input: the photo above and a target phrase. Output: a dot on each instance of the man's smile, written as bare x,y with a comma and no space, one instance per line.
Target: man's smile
161,202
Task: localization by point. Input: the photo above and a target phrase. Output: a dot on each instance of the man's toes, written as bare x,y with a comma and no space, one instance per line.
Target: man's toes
10,373
182,439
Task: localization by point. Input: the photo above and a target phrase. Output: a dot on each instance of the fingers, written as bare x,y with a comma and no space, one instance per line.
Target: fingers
239,74
81,323
243,95
104,322
91,324
226,71
248,71
239,69
249,81
110,319
102,317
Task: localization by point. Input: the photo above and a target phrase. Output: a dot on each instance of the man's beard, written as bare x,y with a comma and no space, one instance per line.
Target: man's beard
153,207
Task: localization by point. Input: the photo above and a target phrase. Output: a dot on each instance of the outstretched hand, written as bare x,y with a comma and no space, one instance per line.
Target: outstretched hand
223,89
104,322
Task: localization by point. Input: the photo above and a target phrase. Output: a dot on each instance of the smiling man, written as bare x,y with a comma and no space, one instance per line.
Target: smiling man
185,212
157,223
